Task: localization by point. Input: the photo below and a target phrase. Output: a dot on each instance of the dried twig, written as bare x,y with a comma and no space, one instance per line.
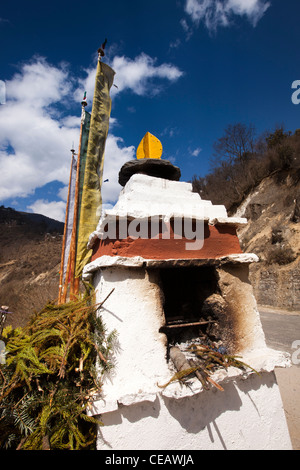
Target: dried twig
208,361
183,325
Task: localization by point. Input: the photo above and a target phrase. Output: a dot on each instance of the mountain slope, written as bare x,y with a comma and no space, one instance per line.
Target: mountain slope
30,251
273,233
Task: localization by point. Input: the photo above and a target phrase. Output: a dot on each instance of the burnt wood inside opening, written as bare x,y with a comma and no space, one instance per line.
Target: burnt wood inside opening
185,290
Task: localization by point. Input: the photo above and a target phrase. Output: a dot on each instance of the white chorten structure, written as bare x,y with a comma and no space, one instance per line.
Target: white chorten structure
179,277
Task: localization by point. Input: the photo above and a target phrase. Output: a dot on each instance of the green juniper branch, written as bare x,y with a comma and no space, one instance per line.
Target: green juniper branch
49,378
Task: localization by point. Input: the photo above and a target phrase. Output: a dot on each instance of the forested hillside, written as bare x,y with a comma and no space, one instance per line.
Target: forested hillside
260,179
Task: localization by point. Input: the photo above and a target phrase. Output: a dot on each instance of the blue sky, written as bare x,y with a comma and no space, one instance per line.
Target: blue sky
185,69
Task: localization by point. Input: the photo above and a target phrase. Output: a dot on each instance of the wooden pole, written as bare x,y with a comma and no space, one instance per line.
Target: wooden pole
60,291
65,287
183,325
74,283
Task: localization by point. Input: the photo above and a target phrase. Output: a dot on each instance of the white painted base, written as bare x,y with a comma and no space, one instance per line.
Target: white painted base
138,414
247,415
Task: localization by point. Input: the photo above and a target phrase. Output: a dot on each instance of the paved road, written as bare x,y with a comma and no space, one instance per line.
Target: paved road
282,329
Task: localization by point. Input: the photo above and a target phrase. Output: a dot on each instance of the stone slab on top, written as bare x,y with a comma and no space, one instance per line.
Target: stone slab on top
151,167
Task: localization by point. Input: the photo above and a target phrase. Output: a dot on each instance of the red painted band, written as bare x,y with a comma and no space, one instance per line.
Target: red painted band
219,240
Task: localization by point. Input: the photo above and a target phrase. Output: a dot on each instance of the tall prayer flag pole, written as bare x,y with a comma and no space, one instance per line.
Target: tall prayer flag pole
91,202
74,286
85,194
65,247
71,220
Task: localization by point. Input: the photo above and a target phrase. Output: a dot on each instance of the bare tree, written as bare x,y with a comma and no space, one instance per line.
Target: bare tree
237,143
232,152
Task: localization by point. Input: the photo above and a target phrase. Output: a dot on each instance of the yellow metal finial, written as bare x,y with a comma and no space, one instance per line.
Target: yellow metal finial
150,147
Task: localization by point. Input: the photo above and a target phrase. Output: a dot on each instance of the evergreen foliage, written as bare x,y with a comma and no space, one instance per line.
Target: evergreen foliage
49,377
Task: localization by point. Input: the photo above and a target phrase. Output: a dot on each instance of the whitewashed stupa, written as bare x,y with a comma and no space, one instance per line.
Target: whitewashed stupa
178,275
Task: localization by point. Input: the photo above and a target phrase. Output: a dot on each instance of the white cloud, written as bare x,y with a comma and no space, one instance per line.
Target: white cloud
54,209
196,152
34,143
253,9
116,155
169,131
35,149
36,135
175,44
71,121
131,109
187,29
136,75
63,193
215,13
39,84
